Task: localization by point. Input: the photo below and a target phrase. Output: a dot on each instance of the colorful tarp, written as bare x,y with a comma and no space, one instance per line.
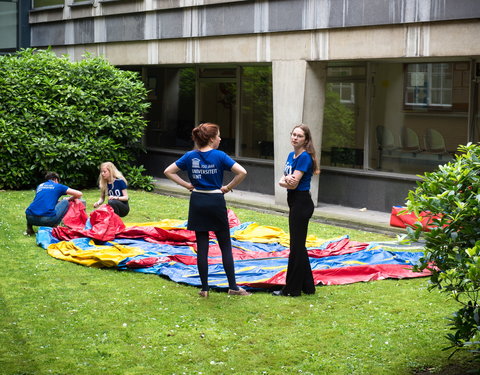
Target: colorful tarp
167,249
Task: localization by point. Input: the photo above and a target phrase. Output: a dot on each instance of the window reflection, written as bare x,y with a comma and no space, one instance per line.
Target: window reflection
344,117
428,85
182,97
256,130
8,25
172,113
418,115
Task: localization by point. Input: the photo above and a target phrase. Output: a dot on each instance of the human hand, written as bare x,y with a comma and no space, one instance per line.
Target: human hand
290,179
225,189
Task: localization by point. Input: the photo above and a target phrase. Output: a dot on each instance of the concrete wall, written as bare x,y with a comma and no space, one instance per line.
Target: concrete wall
150,20
384,42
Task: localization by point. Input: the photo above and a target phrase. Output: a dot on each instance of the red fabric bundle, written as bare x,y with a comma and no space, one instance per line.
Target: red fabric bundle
401,218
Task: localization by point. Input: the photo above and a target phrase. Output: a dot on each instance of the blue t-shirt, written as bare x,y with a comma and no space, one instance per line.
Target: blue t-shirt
116,188
303,163
205,169
46,198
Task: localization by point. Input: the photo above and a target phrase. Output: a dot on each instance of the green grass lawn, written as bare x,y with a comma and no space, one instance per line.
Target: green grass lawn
62,318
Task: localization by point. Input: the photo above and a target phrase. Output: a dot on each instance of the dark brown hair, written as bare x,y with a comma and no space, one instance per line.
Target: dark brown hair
203,133
52,176
309,145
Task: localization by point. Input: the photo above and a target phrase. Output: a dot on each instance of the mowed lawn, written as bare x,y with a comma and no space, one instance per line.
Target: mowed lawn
62,318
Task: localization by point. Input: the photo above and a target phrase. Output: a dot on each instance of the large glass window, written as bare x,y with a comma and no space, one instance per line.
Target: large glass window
172,113
414,119
256,130
418,115
217,102
344,117
183,97
8,24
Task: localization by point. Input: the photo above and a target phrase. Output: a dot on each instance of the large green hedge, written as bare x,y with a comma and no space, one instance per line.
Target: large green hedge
66,116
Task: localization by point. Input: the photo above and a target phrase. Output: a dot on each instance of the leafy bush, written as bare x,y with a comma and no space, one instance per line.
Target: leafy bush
452,247
137,180
66,116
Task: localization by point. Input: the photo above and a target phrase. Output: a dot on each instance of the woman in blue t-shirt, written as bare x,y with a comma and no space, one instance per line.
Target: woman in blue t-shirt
300,166
113,185
207,209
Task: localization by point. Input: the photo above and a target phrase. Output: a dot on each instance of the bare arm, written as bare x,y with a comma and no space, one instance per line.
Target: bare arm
172,173
101,200
74,193
240,174
291,181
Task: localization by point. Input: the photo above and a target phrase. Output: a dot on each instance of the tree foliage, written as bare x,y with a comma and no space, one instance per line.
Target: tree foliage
452,247
66,116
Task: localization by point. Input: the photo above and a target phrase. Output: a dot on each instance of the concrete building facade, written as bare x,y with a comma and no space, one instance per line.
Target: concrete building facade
388,87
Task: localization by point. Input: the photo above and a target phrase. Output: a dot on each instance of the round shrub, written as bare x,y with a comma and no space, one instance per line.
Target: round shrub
66,116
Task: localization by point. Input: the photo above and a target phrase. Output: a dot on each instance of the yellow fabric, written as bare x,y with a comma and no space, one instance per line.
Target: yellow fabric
164,224
261,233
101,256
313,241
269,234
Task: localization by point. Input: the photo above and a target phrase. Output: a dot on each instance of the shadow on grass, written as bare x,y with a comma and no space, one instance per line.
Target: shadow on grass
459,367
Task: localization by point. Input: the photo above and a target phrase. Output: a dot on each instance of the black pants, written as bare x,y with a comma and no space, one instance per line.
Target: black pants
225,244
299,272
121,208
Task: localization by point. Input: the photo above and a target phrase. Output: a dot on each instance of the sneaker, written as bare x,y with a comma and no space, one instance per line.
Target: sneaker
203,293
239,292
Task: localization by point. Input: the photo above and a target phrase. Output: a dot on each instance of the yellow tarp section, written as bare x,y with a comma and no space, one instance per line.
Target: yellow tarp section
101,256
164,224
268,234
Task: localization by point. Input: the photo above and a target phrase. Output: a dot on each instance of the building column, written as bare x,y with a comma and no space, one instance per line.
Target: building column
298,97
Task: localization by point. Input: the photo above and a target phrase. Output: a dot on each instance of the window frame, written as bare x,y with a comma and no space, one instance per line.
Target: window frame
428,86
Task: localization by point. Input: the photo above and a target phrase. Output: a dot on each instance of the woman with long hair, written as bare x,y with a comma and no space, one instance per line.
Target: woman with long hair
207,209
300,166
113,185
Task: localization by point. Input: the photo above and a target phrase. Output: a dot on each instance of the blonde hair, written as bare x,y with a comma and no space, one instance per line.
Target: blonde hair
309,146
114,173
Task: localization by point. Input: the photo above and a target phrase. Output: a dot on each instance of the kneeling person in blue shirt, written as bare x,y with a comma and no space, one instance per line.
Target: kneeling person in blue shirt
46,210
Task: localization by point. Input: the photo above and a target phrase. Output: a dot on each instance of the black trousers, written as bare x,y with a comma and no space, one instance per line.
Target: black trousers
299,272
121,208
